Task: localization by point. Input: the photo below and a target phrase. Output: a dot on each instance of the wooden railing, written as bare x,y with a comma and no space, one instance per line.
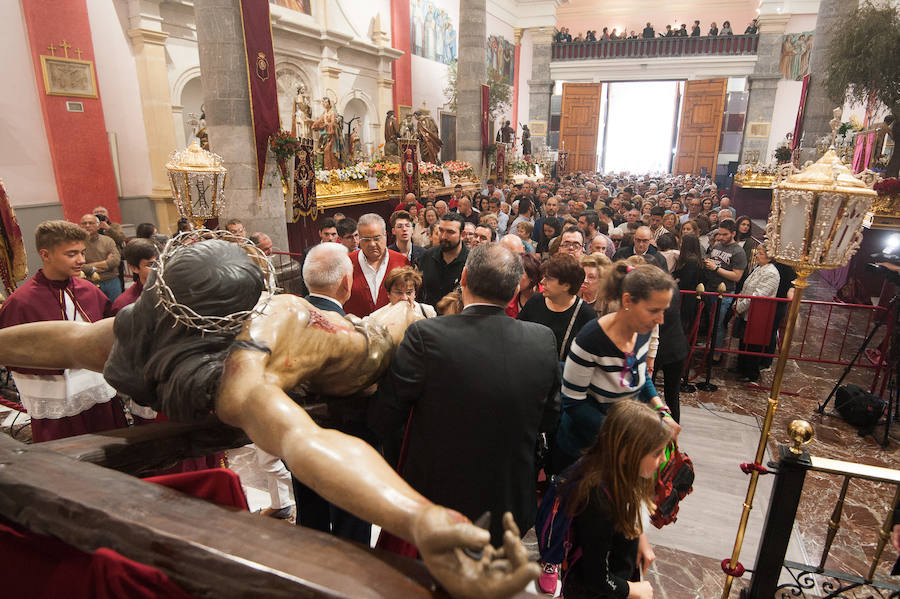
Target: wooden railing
60,488
658,47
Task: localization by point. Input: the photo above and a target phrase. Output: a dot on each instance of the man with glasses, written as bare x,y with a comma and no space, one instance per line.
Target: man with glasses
371,262
402,228
642,247
572,242
442,264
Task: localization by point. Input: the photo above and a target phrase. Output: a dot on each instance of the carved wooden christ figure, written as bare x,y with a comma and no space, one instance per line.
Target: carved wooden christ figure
284,343
429,138
328,128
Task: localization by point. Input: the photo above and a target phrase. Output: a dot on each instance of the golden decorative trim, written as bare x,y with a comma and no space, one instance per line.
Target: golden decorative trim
351,198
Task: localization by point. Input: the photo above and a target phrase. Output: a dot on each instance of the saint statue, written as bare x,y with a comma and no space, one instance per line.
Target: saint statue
354,148
408,128
526,140
429,138
507,133
391,133
202,135
329,144
302,114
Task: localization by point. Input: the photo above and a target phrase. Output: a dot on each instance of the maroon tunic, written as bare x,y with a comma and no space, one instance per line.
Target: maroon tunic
129,296
40,299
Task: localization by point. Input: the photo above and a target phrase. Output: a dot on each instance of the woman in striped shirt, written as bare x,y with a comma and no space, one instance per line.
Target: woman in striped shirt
607,361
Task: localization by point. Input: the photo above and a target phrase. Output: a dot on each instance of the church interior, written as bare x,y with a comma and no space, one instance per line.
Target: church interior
161,119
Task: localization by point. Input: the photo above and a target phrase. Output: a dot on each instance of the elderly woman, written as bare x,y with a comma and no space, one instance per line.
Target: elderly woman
558,305
763,282
593,266
403,284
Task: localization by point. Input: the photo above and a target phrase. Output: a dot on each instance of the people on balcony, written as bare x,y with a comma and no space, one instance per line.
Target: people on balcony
726,28
648,32
713,30
695,30
752,28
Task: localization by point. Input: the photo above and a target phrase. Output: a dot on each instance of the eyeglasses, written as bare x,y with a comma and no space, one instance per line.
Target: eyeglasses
570,244
375,239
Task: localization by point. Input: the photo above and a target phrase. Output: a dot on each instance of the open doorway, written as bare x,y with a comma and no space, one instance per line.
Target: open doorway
638,126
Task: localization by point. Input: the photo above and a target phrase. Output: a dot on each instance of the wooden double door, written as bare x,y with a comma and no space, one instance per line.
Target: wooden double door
579,124
703,105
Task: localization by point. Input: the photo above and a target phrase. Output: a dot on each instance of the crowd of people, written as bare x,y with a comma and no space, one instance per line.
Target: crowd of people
545,313
562,35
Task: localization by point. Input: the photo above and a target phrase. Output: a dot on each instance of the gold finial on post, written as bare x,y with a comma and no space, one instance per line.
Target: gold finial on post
801,433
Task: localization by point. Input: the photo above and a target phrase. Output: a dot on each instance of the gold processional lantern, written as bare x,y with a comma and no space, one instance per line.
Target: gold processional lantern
197,178
816,224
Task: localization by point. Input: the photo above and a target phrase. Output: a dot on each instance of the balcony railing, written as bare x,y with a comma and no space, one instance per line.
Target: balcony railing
658,47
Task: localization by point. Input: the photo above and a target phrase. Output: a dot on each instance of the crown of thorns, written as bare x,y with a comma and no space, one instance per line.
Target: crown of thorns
230,323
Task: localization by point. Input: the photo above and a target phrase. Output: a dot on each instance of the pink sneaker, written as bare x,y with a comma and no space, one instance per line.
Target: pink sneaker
549,577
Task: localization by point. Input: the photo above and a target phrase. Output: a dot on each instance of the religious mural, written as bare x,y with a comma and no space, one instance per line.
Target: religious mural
501,56
432,33
298,5
796,49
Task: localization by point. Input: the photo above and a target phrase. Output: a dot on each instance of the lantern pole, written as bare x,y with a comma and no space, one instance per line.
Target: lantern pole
799,285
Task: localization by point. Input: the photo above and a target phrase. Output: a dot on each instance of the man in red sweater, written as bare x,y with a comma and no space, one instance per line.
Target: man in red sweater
371,263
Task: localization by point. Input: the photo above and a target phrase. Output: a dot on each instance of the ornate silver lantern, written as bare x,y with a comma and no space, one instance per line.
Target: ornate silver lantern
197,178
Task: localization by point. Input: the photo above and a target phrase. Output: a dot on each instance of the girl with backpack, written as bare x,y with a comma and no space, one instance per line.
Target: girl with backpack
596,505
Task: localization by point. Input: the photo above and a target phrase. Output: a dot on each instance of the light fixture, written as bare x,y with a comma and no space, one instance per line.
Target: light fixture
197,178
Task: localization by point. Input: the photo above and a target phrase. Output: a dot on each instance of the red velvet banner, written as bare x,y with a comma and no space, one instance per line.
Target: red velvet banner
501,163
261,76
409,168
485,116
304,201
798,124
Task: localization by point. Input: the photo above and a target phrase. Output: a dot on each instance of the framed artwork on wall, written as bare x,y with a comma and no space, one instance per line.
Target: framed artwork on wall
758,130
68,77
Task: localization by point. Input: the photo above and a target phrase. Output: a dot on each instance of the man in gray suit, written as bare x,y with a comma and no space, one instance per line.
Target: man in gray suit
481,386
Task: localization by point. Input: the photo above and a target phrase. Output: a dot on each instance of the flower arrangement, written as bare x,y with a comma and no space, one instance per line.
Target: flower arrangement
429,168
521,166
284,145
887,187
350,173
385,169
458,167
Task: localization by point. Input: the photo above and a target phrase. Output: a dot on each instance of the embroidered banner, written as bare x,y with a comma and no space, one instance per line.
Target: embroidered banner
501,162
485,116
304,200
562,164
409,167
261,78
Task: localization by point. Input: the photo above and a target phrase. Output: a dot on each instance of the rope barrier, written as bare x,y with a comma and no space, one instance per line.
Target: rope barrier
737,571
748,467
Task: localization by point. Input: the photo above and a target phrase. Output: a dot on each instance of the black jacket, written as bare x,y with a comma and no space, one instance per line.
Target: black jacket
480,386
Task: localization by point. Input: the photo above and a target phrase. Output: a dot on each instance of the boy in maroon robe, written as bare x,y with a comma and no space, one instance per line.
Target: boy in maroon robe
62,403
140,255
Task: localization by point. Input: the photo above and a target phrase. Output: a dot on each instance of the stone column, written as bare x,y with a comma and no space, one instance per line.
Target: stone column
223,68
819,105
470,75
764,83
156,110
540,86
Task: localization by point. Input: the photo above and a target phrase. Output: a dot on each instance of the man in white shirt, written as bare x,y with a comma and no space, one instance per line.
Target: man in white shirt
371,262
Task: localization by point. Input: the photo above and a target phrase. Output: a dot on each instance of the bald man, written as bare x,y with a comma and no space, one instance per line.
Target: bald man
102,257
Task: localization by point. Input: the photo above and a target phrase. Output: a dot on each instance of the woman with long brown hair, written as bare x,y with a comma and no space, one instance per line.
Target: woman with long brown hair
604,493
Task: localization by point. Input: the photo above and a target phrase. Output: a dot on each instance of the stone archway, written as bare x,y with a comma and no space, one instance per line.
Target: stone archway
288,77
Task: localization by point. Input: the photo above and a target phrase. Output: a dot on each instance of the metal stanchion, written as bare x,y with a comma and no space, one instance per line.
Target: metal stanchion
710,350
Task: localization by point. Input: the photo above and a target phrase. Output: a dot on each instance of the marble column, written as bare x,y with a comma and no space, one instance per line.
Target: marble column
226,94
819,105
540,86
763,84
470,75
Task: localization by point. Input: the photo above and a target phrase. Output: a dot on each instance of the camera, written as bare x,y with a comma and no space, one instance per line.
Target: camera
102,218
887,261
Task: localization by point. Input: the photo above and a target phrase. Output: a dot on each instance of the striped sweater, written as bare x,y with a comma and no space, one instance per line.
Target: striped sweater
596,375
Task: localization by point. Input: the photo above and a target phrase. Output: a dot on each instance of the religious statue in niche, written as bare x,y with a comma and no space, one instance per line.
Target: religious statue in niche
302,114
796,49
233,351
429,138
391,133
202,134
432,33
330,141
354,145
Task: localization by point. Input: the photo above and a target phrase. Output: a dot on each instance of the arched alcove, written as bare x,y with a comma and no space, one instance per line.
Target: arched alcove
191,101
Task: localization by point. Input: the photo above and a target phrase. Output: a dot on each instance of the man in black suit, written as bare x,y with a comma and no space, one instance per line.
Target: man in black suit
328,274
481,386
642,247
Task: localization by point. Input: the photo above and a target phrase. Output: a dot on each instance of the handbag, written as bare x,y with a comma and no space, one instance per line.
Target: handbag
674,482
